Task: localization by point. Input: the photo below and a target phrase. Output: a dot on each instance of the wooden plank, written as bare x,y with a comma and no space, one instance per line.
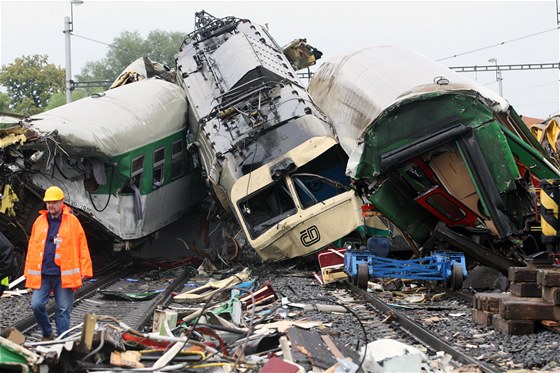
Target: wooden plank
525,289
332,347
513,327
516,308
489,302
481,317
522,274
548,277
310,344
551,294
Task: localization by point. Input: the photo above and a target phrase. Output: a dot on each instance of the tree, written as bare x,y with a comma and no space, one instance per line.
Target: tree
159,46
59,98
29,82
4,103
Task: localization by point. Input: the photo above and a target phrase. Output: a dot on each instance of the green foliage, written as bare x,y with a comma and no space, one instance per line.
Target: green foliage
159,46
29,82
4,103
59,98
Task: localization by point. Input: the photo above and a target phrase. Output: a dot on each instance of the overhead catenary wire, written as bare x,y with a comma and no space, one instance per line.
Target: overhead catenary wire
499,44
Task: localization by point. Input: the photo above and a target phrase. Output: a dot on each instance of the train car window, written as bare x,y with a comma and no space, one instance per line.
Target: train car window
158,170
137,170
267,207
322,178
176,159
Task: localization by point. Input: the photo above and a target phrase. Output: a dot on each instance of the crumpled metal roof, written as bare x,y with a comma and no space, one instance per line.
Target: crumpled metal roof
354,89
117,120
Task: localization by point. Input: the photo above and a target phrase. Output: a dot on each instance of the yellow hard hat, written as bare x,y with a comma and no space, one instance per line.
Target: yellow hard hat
53,194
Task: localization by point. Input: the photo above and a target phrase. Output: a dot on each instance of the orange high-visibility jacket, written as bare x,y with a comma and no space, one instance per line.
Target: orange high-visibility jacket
72,256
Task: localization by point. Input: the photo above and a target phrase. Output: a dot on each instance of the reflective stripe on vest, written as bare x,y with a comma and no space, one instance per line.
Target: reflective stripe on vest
34,272
5,281
70,272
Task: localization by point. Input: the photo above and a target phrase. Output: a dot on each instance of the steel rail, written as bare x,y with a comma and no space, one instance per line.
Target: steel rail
27,323
165,296
424,335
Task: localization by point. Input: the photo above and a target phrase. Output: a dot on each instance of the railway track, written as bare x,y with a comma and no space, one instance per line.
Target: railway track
111,295
428,338
440,324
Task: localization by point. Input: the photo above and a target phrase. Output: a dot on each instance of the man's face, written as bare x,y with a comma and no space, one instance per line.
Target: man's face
54,207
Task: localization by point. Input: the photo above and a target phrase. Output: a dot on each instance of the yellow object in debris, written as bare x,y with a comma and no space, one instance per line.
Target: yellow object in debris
332,274
5,281
130,359
548,134
9,197
126,77
12,139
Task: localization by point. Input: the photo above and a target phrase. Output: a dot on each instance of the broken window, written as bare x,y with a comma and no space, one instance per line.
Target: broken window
159,168
322,178
94,174
419,176
137,170
176,159
312,188
267,207
446,207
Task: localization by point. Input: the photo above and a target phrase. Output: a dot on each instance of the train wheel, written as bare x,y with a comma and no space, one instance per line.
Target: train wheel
362,276
456,277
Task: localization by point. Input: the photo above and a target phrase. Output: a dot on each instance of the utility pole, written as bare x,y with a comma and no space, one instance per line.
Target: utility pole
67,31
68,28
498,75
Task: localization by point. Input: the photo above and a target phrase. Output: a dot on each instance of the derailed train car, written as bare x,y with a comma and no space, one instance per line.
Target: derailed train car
449,162
270,155
120,157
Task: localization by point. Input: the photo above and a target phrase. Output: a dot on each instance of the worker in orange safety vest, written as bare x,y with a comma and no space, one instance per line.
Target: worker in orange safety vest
57,260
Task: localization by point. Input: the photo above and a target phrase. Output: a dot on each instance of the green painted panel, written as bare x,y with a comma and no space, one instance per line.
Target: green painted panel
118,177
366,231
529,156
498,156
395,201
415,118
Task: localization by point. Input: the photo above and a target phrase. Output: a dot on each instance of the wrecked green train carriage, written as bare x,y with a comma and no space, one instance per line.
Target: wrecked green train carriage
119,156
446,160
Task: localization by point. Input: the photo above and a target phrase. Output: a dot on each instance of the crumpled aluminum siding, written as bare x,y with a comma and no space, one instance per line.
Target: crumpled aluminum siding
353,90
150,109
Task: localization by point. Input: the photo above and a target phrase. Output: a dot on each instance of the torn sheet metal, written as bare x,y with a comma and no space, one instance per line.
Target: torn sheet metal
548,135
143,68
15,357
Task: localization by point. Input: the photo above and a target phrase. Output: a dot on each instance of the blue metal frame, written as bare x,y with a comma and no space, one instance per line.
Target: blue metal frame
437,267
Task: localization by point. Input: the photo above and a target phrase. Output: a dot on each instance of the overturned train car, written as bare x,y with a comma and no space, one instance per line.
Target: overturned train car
449,162
271,157
119,156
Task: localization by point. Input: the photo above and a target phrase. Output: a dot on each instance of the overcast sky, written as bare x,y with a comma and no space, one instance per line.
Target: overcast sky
437,29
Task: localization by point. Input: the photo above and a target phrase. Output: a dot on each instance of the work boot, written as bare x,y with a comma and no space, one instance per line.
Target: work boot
48,338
